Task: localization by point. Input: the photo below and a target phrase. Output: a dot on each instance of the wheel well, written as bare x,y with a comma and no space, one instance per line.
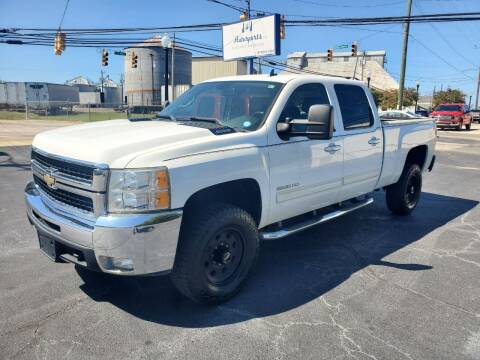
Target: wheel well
244,193
417,155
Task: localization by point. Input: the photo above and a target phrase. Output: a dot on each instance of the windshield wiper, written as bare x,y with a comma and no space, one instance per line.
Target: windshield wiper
202,119
168,117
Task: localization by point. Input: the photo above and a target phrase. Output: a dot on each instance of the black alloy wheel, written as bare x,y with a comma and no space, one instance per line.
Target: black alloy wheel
413,190
403,196
222,256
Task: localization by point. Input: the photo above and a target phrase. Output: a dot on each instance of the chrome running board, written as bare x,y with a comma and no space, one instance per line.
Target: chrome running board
292,229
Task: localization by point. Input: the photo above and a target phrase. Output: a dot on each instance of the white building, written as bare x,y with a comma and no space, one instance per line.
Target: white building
365,64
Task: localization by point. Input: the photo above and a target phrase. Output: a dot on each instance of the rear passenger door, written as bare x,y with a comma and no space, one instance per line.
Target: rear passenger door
362,141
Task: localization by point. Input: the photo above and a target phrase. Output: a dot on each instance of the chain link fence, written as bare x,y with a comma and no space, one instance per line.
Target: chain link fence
73,111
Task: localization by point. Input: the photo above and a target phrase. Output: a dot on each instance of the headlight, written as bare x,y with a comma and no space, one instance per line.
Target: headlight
138,190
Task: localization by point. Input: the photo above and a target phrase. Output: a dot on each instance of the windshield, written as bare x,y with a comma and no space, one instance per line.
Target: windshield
448,108
237,104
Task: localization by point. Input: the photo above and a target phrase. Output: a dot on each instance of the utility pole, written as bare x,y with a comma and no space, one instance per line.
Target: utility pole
250,61
406,31
478,89
122,82
102,94
173,67
433,97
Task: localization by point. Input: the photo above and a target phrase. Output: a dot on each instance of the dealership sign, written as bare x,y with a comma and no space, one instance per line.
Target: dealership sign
252,38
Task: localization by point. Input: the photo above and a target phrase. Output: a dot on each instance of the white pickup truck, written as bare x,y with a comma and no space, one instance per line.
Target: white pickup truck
231,162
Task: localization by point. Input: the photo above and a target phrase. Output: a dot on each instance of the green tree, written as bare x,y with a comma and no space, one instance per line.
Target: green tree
388,99
449,96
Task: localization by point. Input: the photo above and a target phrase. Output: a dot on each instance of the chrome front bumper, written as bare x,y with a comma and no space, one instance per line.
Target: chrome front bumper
148,241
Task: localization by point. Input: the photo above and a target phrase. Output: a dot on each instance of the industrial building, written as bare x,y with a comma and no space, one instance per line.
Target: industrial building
37,94
91,94
144,82
210,67
367,64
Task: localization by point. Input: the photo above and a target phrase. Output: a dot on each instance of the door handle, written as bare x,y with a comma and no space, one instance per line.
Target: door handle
374,141
332,148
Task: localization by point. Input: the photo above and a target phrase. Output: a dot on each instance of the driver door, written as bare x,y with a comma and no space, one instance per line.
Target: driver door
305,174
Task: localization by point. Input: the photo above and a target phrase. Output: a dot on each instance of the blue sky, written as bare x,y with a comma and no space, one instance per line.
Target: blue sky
456,44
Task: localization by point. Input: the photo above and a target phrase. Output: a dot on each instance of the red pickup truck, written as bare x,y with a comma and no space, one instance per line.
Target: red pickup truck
452,116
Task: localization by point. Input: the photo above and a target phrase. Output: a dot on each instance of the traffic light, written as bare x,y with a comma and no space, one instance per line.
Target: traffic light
134,60
354,49
329,54
282,27
244,16
104,57
59,44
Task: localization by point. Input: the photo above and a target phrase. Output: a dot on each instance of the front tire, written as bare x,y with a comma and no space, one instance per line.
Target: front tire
403,196
217,251
468,127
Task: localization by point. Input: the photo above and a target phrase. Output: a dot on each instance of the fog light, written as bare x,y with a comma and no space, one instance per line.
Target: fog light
112,263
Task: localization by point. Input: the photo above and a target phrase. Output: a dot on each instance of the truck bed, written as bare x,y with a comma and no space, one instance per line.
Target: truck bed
399,137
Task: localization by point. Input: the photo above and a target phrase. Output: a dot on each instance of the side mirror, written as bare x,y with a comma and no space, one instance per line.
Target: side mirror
319,124
283,128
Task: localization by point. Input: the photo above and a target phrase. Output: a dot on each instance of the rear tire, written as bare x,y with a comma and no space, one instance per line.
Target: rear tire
217,251
403,196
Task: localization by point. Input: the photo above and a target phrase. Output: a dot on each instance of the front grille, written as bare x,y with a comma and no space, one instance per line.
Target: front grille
71,170
65,197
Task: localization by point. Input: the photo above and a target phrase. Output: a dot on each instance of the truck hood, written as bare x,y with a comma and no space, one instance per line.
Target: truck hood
117,142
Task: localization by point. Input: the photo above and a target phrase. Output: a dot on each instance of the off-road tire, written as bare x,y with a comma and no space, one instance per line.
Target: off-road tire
194,264
400,199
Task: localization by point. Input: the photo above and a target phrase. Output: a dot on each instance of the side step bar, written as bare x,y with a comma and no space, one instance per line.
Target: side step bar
292,229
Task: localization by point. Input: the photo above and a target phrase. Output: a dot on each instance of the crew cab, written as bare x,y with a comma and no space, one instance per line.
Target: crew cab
229,163
452,116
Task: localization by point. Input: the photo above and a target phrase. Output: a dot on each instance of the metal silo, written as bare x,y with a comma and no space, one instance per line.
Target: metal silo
144,85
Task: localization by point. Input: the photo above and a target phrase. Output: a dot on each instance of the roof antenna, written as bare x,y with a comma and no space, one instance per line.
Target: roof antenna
272,72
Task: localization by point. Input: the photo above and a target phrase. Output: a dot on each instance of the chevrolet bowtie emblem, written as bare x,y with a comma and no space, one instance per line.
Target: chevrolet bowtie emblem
49,180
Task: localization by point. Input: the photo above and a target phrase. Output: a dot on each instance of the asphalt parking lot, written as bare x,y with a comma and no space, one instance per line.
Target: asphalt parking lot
368,286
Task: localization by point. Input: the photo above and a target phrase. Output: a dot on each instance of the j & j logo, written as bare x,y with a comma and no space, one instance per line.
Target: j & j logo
247,34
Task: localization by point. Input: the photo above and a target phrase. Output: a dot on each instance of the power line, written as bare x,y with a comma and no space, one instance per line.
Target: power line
347,6
438,56
63,16
434,27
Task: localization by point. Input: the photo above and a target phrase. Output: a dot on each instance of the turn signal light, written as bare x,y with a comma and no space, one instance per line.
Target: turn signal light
162,200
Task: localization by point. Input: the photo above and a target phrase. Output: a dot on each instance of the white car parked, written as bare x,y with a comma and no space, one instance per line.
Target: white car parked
230,162
398,115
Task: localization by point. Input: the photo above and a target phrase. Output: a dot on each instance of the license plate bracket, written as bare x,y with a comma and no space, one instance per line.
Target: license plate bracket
48,246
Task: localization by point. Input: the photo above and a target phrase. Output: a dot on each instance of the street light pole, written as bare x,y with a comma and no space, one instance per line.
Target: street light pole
153,79
416,98
166,75
166,44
